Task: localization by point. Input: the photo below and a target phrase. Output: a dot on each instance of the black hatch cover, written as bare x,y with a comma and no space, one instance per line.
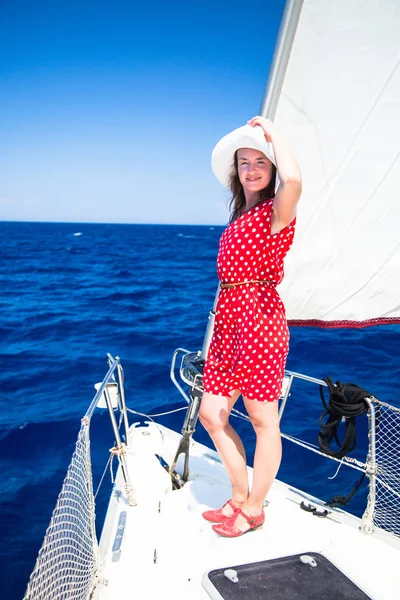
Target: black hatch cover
307,576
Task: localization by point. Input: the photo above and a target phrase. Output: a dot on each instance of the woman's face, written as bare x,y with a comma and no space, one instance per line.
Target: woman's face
254,170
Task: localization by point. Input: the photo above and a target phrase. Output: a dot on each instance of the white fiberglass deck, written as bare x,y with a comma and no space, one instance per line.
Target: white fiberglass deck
167,546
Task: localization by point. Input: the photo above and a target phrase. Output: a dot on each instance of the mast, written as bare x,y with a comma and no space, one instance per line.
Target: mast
280,59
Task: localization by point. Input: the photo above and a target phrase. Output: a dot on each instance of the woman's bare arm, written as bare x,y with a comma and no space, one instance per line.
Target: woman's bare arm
289,191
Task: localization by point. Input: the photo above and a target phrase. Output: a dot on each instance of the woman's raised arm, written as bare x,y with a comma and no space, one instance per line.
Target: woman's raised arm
289,190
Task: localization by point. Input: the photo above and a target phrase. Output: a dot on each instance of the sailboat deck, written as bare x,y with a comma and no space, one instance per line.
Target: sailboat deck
177,546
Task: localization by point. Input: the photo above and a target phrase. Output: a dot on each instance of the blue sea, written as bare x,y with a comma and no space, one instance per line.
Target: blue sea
70,293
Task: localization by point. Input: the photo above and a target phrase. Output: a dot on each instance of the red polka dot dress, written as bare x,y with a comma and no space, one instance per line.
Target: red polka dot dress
250,341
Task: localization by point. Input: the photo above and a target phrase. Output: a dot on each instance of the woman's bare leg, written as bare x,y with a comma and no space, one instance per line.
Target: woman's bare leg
214,416
265,420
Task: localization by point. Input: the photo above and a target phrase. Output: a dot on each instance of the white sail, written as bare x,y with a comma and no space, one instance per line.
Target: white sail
340,110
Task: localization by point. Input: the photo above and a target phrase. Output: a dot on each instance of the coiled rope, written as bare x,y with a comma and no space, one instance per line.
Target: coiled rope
346,400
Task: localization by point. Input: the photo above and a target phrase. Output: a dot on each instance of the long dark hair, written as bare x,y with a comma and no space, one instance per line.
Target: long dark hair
237,203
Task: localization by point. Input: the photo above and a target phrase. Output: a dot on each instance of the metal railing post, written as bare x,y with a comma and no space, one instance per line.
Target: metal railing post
210,326
367,518
123,403
285,397
120,450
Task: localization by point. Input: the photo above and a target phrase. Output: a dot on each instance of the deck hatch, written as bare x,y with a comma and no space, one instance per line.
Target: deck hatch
285,578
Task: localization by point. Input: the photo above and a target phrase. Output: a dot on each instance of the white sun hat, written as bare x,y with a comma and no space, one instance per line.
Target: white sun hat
222,156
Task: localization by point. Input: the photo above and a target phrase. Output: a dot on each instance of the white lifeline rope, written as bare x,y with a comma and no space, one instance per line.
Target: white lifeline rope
350,462
169,412
135,412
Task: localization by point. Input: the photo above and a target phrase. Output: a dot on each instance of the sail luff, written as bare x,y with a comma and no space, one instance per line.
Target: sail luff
339,108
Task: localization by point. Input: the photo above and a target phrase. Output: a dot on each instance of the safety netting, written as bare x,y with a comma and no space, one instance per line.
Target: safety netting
387,503
67,564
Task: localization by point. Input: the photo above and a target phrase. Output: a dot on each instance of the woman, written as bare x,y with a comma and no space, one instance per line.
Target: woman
249,346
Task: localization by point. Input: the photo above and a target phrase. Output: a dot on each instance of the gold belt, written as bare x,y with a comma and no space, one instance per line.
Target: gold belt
226,286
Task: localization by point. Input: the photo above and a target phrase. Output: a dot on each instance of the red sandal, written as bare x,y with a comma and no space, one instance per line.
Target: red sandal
217,516
228,529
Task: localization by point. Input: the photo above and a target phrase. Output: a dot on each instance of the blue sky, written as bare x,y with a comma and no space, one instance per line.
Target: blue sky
109,110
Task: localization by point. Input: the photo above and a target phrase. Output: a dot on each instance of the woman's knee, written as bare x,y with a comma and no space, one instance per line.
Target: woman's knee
265,427
213,415
210,420
264,417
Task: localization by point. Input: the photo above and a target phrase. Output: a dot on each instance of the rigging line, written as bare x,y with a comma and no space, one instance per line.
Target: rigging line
354,464
235,410
107,464
151,419
102,477
111,468
337,470
348,461
158,414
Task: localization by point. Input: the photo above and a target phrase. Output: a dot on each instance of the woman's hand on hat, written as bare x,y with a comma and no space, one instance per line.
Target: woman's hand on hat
266,125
